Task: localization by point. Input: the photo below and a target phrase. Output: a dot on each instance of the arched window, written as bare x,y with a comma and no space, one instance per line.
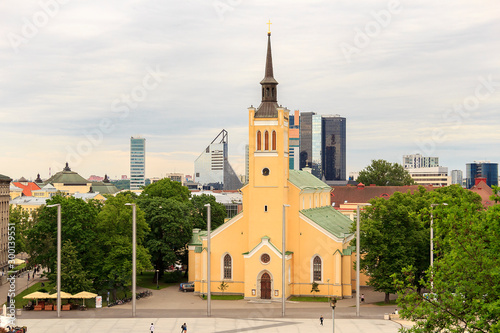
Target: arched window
227,267
266,140
259,141
317,268
274,140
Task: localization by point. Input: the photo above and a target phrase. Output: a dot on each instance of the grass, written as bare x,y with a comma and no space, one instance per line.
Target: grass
309,299
391,302
225,297
145,280
20,302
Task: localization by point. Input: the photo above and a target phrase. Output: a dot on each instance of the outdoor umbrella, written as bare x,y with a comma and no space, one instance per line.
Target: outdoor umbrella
37,295
83,295
63,295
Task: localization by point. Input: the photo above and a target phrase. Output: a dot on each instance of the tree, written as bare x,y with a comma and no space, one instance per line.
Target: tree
22,223
383,173
217,210
78,224
392,237
114,240
465,293
73,276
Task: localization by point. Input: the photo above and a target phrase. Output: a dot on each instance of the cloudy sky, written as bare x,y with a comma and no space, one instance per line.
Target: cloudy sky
79,78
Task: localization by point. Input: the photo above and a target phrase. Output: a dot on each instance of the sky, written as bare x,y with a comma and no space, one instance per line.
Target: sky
79,78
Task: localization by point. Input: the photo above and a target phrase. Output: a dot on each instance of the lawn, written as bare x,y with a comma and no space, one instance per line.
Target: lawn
391,302
310,299
225,297
20,302
145,280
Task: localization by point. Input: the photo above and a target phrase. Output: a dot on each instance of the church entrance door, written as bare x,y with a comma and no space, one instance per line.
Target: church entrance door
265,286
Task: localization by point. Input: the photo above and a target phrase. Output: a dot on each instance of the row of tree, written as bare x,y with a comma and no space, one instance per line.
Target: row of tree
97,237
463,286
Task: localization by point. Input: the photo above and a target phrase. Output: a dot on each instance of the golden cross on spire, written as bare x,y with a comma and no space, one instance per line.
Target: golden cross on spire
269,27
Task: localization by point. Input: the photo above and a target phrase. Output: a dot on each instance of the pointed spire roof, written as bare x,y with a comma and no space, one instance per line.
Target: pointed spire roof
268,106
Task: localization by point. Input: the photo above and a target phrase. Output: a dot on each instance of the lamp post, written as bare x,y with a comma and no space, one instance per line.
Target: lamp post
157,276
58,257
358,256
283,263
134,241
209,296
432,238
333,302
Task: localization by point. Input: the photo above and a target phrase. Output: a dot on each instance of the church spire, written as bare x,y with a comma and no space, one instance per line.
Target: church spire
267,108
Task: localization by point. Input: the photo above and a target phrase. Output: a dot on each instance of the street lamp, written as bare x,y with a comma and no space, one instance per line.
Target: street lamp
283,262
432,237
209,296
358,255
333,302
134,241
58,257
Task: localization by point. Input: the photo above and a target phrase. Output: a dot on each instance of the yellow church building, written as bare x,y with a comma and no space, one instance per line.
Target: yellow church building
246,251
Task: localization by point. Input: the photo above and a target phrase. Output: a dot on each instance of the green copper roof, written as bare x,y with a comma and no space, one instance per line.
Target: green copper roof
67,177
329,219
104,188
196,238
2,177
306,180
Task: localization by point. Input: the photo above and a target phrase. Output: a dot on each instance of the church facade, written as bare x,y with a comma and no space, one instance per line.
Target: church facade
247,251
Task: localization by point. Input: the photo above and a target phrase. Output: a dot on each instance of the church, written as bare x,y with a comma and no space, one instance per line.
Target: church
247,251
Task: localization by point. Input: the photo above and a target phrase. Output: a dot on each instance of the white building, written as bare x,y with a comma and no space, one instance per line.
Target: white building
436,176
416,161
457,177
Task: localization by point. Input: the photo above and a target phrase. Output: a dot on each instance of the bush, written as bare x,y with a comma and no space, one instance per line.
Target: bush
172,277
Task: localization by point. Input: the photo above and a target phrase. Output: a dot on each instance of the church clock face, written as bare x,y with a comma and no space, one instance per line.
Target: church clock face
265,172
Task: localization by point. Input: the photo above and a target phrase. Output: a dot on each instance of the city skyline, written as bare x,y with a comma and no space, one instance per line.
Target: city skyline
79,79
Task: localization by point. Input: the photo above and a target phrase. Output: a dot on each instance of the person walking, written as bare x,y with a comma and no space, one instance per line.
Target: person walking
321,320
152,328
362,298
184,328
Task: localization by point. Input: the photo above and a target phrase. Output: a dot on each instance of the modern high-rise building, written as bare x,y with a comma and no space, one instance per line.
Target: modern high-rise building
415,161
310,142
212,169
484,169
435,176
333,148
294,141
137,163
457,177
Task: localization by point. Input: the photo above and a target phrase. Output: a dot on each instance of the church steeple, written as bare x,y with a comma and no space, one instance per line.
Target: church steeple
267,108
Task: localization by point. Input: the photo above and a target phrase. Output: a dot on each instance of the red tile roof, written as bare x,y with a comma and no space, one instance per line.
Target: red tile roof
484,191
27,188
363,194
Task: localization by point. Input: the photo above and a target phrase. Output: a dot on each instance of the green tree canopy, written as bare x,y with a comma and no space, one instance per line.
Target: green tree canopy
165,188
114,231
73,276
465,293
217,210
383,173
22,222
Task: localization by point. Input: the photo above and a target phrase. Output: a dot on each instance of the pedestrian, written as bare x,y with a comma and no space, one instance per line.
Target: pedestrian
33,274
321,320
152,328
28,276
362,298
184,328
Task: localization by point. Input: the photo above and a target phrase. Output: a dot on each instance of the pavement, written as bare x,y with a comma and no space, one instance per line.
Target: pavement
169,309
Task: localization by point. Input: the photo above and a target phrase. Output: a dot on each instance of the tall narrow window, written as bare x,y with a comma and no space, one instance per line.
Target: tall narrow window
317,268
266,140
274,140
259,141
227,267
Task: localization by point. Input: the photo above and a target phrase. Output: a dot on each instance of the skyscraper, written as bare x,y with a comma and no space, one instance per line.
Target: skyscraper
294,141
212,168
137,163
457,177
484,169
310,142
333,148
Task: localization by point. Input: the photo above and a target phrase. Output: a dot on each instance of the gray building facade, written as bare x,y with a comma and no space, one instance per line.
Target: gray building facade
137,163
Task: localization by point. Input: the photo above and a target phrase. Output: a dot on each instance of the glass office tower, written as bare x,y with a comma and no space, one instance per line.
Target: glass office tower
310,142
334,148
484,169
137,163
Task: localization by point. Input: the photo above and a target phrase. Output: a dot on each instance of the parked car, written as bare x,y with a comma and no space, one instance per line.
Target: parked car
185,287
